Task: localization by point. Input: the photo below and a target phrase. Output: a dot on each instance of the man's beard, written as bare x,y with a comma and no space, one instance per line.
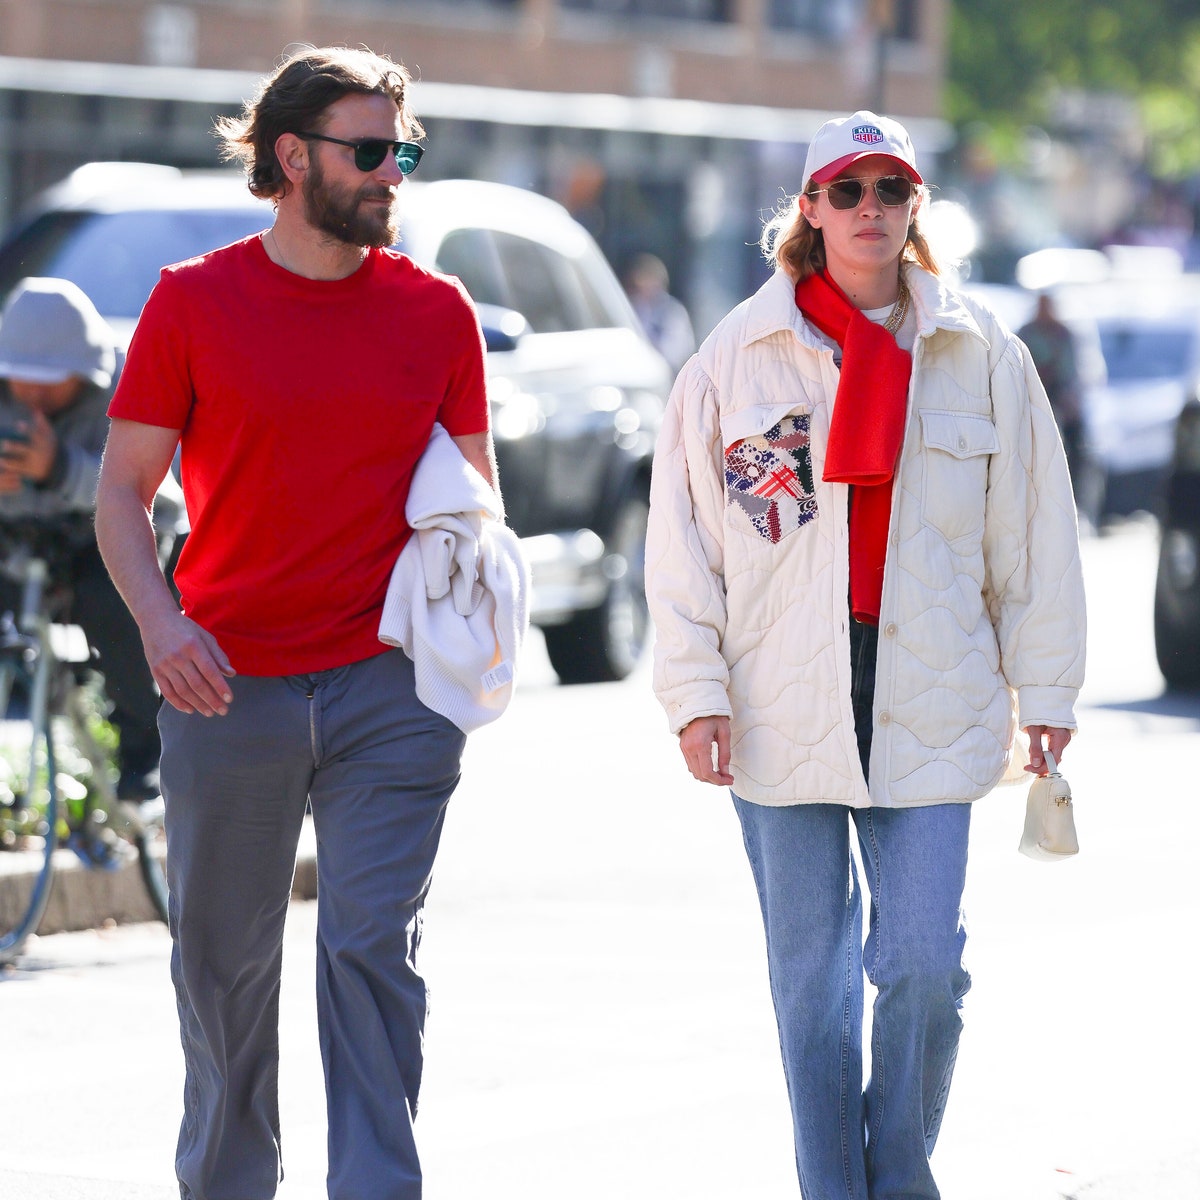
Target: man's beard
341,214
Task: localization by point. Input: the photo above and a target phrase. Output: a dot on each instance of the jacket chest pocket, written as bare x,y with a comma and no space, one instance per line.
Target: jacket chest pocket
957,448
769,480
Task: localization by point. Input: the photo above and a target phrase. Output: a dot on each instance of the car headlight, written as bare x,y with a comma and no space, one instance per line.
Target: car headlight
515,414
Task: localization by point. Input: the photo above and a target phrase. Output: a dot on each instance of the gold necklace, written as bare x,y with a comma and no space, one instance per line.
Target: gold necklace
899,309
279,253
281,261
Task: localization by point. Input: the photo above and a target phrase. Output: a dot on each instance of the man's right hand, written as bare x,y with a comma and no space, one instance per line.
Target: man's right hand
697,739
188,665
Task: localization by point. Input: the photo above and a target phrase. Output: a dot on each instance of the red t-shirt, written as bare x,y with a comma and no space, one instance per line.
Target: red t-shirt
304,406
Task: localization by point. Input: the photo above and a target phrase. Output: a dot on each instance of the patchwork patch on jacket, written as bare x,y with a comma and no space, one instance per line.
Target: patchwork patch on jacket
770,477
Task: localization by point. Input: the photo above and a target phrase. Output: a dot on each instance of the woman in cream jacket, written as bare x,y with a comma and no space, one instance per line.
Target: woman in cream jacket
863,568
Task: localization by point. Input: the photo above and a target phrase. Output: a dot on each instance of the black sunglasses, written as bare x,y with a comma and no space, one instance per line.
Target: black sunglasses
370,152
892,190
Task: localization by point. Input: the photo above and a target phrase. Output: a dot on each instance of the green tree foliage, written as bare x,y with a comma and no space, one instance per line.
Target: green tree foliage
1007,58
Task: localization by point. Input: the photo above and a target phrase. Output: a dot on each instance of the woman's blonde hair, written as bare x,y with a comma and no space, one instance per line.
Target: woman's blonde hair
788,241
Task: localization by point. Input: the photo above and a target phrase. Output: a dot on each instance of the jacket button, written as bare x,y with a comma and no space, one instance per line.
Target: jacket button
885,718
962,443
890,629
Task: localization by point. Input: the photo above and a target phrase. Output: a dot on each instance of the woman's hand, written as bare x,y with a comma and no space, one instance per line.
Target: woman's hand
1056,743
697,740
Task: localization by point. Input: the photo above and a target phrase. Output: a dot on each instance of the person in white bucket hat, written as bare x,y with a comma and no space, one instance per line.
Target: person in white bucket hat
863,569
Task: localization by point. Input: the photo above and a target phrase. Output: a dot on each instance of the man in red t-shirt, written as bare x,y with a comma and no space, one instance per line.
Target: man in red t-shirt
300,372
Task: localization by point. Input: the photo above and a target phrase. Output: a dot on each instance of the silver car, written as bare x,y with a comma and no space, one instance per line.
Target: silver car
577,391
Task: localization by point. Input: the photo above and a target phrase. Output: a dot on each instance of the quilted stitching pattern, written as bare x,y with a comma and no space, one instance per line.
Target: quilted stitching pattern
983,596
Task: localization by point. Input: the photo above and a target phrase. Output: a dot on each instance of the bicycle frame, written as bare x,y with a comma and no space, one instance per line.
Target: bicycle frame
27,652
29,638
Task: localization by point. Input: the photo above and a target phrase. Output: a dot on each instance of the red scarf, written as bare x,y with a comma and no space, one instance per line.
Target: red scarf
866,429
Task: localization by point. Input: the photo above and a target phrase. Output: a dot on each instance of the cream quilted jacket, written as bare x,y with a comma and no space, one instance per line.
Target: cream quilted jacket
982,620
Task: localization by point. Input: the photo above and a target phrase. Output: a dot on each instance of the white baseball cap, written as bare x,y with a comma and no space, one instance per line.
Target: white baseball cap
845,140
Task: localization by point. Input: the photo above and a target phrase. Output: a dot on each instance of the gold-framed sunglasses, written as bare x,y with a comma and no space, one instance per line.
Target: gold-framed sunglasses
891,191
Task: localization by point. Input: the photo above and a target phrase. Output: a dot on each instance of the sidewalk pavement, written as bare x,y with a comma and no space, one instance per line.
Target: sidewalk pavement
1176,1179
88,899
601,1024
484,1130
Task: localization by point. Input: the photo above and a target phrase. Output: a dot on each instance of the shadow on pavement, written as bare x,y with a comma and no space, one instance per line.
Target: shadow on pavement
1178,705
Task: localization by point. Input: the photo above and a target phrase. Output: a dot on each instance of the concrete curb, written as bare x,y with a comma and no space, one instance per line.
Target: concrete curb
83,898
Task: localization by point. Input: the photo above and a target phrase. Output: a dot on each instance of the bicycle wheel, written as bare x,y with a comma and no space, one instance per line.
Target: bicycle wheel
109,831
151,843
28,805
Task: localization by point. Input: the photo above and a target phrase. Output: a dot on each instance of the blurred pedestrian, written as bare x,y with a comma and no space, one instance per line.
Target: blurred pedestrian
862,563
302,370
664,318
59,363
1052,347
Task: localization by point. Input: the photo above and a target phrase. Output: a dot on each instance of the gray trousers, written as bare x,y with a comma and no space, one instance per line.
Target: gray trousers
378,768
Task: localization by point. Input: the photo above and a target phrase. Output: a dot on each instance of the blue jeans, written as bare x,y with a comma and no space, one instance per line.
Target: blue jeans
851,1144
377,768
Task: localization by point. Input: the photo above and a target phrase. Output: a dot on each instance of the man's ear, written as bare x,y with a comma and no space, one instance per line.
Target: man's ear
292,152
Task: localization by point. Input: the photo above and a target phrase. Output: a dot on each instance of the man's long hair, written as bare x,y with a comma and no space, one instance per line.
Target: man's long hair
294,99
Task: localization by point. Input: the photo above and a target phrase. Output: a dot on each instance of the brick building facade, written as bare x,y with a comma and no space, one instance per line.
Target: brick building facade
668,125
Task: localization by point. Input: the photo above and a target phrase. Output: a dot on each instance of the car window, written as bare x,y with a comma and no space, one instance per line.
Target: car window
1146,351
539,286
555,292
116,257
36,247
601,311
471,255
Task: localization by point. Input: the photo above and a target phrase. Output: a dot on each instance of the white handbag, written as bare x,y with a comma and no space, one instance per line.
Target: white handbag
1049,833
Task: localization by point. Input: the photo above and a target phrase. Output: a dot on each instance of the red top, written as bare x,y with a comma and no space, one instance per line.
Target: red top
304,406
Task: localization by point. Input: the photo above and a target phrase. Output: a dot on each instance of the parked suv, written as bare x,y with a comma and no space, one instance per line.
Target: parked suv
577,392
1152,363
